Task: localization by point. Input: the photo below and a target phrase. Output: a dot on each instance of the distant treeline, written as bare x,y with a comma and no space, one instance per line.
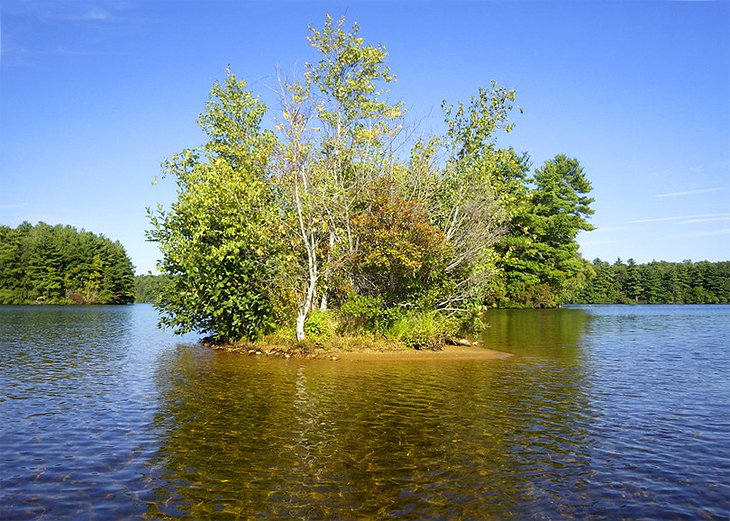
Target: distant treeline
657,283
45,264
147,287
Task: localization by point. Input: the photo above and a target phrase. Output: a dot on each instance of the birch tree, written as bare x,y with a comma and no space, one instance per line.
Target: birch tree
356,126
302,200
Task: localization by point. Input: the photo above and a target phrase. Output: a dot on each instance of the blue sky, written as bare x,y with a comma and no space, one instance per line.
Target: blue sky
95,94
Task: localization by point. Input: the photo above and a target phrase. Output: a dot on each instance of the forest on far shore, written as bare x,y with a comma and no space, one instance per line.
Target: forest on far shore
44,264
657,282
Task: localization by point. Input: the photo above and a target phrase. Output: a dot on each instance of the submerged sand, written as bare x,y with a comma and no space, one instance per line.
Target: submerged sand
448,352
380,352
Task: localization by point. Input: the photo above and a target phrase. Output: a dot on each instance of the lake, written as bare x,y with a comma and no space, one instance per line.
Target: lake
605,412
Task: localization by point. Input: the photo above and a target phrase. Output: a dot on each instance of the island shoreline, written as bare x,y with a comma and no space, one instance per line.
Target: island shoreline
380,352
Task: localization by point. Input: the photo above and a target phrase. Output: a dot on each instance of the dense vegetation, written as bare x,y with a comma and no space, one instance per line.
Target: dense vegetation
657,283
147,288
341,220
45,264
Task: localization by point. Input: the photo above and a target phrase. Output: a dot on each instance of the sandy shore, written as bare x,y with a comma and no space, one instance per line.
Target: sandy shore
447,353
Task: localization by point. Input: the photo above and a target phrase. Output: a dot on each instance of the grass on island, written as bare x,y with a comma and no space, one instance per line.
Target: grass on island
422,335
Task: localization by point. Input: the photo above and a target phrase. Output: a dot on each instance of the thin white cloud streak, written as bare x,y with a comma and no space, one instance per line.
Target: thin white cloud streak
681,218
20,53
69,12
705,233
691,192
63,51
96,14
706,220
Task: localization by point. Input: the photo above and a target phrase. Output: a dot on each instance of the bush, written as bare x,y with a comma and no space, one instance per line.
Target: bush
423,330
473,321
320,325
362,314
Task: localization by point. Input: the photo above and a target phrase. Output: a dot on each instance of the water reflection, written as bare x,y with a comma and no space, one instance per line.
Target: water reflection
320,440
545,333
602,413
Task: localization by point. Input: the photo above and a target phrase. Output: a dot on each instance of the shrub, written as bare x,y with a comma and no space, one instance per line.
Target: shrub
423,330
320,325
360,313
473,321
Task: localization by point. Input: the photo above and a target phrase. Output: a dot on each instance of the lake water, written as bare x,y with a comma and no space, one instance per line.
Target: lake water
603,413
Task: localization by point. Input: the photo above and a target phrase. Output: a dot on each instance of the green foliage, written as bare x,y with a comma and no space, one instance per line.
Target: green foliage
538,256
362,313
322,210
422,330
45,264
657,283
219,239
349,79
473,320
147,288
320,326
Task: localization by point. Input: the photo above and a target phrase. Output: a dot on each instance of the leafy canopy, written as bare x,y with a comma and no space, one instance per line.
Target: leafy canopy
273,227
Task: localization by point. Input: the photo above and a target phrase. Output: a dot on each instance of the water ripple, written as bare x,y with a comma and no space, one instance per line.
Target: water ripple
606,413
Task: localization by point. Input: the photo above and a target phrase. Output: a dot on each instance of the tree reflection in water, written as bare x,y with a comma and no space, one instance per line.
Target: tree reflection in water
261,438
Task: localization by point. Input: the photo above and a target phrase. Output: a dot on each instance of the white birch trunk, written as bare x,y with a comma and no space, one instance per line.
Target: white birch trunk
301,318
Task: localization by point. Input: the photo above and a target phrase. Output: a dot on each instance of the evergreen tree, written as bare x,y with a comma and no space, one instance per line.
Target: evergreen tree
539,254
59,265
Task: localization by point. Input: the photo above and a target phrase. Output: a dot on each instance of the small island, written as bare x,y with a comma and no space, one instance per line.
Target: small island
331,221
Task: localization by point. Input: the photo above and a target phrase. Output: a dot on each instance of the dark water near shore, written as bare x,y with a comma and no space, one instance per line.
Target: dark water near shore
603,413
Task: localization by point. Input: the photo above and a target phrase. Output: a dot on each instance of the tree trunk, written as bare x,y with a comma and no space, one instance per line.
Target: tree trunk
325,285
301,318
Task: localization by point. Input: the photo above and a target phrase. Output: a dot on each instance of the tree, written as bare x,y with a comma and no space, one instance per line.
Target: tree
334,130
45,264
469,206
659,283
220,240
401,259
324,210
147,288
540,256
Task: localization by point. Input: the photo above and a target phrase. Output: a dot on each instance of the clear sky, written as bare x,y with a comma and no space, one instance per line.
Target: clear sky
95,94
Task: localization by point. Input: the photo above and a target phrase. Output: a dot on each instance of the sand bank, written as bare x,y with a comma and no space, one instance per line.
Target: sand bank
447,353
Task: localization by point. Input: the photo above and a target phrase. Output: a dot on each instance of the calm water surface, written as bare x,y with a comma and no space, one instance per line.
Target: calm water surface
603,413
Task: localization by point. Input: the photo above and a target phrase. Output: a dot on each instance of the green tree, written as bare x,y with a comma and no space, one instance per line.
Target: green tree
634,283
148,287
220,239
55,264
540,257
324,210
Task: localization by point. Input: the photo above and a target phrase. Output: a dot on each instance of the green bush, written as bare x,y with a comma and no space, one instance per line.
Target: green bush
422,330
320,325
473,321
362,314
397,329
